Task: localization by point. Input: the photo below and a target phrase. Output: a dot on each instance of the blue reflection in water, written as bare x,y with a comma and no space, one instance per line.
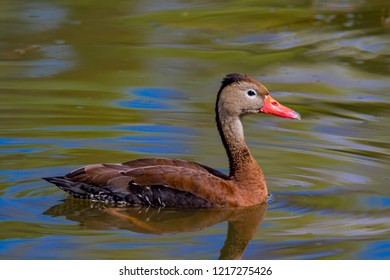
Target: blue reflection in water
139,138
151,139
376,250
41,16
151,98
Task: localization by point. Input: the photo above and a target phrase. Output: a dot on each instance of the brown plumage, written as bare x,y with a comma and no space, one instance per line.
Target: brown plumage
179,183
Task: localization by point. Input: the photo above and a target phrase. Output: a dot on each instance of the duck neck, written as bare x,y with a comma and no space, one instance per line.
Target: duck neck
241,162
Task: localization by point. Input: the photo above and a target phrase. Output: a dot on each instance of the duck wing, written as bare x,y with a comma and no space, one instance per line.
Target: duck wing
152,181
143,162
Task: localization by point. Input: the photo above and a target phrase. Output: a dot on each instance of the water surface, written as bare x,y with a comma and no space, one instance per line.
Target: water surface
88,82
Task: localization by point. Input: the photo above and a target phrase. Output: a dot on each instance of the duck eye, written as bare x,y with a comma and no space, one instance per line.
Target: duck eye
251,93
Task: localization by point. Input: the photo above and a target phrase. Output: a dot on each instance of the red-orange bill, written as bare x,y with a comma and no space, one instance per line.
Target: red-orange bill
273,107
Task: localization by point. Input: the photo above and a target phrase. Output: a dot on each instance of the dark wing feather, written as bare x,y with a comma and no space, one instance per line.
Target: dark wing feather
143,162
200,183
151,181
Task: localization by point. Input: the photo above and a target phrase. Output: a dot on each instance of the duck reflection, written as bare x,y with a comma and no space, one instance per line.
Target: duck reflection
242,222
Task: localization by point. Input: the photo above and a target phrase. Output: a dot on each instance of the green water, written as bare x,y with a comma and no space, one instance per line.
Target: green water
109,81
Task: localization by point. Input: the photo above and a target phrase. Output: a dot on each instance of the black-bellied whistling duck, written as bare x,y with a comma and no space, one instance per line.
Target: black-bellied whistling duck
178,183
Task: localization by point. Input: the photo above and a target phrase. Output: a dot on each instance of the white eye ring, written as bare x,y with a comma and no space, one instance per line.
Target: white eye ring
251,93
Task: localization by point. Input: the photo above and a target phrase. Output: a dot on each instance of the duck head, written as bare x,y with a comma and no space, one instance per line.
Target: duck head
240,95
